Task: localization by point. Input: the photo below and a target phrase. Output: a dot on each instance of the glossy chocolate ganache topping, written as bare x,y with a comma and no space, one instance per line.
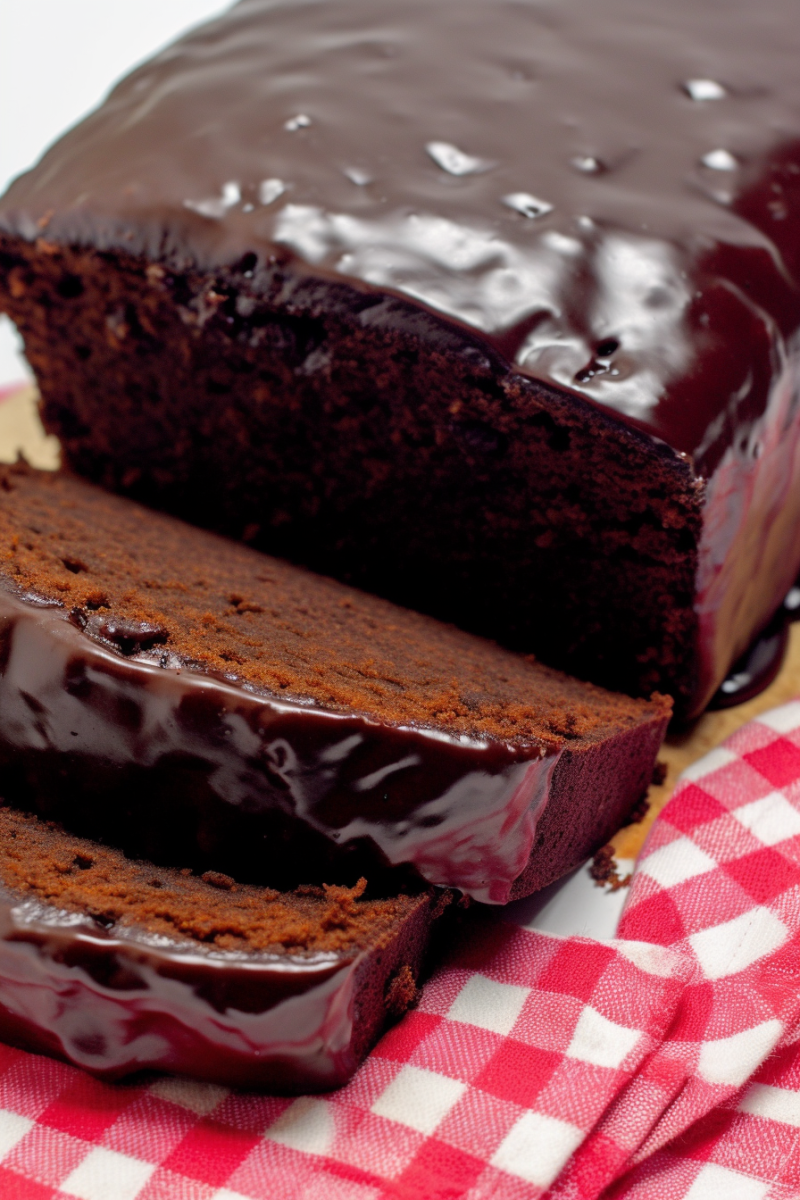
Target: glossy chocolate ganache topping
605,192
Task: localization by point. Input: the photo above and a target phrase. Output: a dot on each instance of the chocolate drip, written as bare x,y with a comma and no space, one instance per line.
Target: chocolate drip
128,637
757,668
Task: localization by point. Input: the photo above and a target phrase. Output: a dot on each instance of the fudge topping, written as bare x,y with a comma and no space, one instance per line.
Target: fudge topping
608,194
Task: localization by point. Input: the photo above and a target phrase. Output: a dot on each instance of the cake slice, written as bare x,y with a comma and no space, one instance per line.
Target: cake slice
120,966
195,703
489,306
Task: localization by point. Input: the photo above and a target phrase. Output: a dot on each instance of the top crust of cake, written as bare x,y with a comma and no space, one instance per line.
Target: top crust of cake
609,194
146,584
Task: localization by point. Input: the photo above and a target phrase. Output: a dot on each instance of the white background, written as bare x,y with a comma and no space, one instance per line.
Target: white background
58,58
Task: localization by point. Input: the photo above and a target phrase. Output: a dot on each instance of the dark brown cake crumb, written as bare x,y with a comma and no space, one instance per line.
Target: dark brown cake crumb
402,992
342,904
660,772
218,880
443,901
603,870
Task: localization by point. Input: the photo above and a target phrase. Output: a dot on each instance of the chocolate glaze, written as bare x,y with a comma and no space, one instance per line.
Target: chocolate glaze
749,551
176,766
757,668
608,195
120,1001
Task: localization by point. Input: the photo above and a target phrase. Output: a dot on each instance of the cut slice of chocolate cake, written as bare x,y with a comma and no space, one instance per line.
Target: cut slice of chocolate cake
120,966
489,306
195,703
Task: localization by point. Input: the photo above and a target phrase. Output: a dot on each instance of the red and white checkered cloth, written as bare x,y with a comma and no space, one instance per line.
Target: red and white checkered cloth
663,1064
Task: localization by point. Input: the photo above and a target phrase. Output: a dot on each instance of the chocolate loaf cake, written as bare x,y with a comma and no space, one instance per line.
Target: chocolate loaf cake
489,307
118,966
192,702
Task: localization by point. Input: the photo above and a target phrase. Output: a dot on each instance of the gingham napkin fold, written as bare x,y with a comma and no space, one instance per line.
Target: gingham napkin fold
661,1064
